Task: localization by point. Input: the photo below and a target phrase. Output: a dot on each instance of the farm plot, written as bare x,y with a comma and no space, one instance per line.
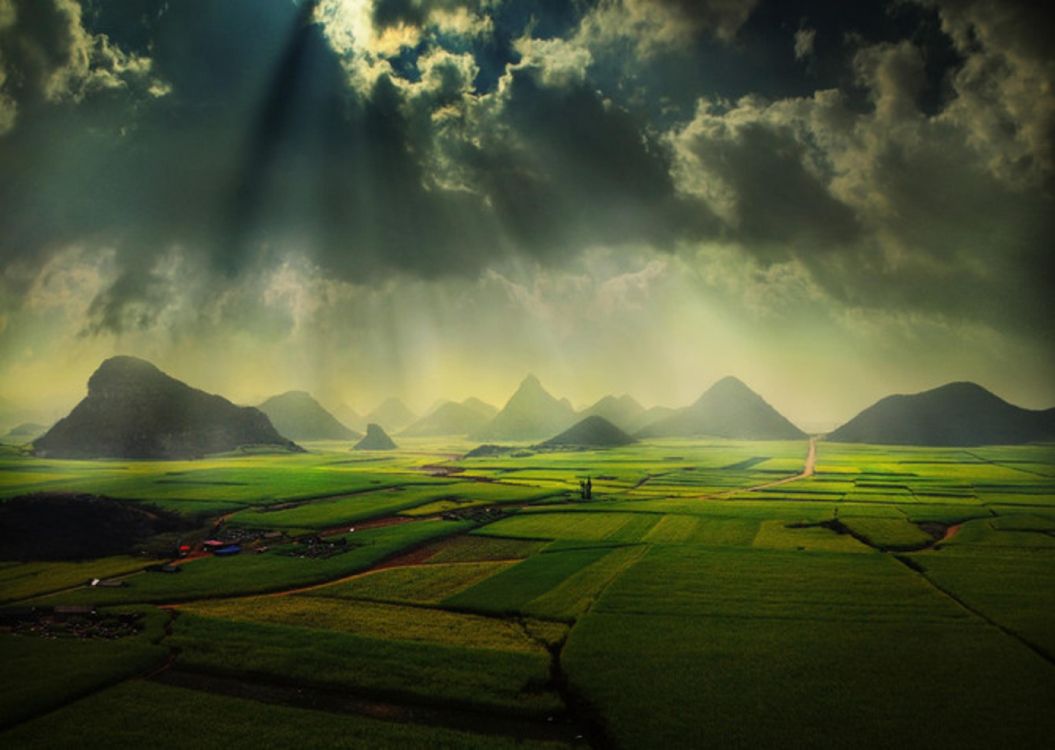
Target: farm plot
473,548
373,620
698,681
692,647
41,674
509,591
26,580
248,573
753,582
515,681
999,534
887,533
424,584
472,494
335,511
779,535
1013,587
161,712
592,527
574,595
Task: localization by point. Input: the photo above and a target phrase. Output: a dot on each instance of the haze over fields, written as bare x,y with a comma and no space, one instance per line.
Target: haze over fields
373,199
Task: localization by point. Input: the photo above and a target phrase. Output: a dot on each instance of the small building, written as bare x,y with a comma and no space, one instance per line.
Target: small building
108,583
67,610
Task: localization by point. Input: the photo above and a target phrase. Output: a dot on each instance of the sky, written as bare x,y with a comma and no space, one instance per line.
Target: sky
432,198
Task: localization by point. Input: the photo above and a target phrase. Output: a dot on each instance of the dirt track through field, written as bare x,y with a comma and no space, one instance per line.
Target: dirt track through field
807,471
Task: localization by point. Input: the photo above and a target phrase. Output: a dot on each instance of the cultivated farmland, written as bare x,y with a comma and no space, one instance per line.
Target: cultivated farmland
414,599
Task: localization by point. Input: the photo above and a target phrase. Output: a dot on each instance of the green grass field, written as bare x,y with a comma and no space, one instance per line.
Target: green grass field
899,595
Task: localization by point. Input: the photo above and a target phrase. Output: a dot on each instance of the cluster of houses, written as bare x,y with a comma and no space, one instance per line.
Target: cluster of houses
69,621
314,546
477,513
227,541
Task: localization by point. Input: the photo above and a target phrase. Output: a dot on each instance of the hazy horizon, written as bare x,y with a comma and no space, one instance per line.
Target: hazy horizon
421,406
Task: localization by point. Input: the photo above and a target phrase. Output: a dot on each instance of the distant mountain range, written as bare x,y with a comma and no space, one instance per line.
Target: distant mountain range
530,414
953,414
349,417
297,415
451,418
728,409
134,410
392,414
591,432
24,433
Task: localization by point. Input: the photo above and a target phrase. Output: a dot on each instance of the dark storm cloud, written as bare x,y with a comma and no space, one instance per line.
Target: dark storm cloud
262,141
906,161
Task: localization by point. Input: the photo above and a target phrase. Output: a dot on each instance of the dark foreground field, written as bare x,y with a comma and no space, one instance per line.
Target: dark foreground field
709,594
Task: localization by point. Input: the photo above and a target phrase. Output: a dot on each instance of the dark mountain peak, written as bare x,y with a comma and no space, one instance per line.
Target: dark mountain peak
530,386
295,396
728,409
592,432
302,397
134,410
376,439
123,372
729,387
531,391
962,389
531,413
960,413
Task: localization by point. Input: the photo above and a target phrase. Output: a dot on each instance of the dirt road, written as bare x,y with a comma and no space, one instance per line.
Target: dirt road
807,470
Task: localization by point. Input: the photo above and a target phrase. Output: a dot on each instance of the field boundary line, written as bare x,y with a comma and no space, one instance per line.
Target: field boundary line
921,572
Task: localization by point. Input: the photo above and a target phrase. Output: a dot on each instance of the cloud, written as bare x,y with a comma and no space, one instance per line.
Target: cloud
441,140
804,39
1005,100
886,207
560,63
649,27
47,53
